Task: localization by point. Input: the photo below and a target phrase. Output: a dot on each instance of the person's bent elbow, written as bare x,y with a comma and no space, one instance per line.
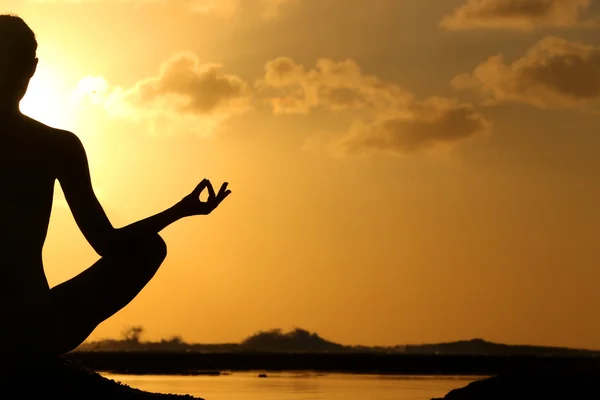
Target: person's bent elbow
123,240
109,243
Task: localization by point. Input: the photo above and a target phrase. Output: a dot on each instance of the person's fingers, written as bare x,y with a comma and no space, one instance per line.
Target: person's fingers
223,195
211,191
222,190
200,187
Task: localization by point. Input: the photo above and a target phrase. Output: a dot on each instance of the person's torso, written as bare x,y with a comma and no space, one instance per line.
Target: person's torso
28,158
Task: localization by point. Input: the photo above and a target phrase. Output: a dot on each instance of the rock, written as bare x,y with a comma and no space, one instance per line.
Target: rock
572,385
66,380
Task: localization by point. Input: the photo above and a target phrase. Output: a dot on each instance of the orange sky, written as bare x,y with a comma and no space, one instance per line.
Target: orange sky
402,171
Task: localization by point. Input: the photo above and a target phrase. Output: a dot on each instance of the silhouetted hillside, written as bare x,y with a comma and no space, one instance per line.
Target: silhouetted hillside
482,347
298,340
303,341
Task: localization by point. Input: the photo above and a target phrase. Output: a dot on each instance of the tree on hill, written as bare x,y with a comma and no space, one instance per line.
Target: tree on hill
297,340
132,334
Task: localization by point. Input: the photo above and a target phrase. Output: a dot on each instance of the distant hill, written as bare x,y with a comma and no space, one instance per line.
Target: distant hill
298,340
303,341
482,347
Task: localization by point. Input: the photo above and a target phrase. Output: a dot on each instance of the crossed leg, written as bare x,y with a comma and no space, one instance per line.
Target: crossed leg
83,302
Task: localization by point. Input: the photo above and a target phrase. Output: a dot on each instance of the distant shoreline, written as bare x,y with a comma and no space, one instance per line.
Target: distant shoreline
171,363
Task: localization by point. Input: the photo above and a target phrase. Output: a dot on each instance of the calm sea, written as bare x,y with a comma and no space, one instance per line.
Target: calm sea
299,386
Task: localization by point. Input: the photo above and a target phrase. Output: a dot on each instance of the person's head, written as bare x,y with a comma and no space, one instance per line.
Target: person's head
17,59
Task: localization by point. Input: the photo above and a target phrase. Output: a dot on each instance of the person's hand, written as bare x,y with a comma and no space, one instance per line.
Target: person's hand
192,205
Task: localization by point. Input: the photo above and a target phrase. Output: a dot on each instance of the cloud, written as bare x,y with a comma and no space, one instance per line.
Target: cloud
332,85
189,87
63,1
272,8
222,8
268,9
389,119
90,89
555,73
183,95
524,15
427,124
384,118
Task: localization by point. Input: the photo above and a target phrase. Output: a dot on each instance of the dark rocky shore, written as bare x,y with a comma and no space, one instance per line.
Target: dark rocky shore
180,363
66,380
570,385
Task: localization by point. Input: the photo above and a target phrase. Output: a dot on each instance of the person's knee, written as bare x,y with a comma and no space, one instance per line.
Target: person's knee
151,248
157,248
143,258
154,252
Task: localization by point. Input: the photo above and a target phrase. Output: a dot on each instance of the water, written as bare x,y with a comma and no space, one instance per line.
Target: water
298,386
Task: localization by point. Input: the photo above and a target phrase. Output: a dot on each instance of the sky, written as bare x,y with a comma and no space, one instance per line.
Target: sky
402,171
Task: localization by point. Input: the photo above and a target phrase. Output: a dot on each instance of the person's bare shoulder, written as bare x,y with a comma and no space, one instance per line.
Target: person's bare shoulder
61,149
56,139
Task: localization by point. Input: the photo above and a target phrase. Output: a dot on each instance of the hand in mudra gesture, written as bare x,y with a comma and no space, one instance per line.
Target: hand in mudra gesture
192,205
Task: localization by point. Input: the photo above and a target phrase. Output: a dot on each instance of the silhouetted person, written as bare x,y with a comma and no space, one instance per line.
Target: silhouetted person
33,156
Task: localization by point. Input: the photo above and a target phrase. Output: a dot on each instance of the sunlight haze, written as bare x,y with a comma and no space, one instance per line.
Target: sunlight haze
401,171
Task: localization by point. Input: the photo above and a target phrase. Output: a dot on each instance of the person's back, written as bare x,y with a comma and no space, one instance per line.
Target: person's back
29,157
27,152
33,316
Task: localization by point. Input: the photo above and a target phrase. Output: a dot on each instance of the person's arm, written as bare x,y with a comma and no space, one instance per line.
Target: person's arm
74,178
190,205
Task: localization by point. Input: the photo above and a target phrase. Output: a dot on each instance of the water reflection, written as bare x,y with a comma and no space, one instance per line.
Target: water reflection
299,386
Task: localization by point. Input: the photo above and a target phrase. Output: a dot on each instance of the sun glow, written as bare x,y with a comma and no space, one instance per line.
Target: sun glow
45,100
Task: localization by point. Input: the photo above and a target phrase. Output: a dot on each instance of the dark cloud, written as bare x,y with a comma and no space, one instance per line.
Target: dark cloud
389,119
331,85
555,73
429,123
517,14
